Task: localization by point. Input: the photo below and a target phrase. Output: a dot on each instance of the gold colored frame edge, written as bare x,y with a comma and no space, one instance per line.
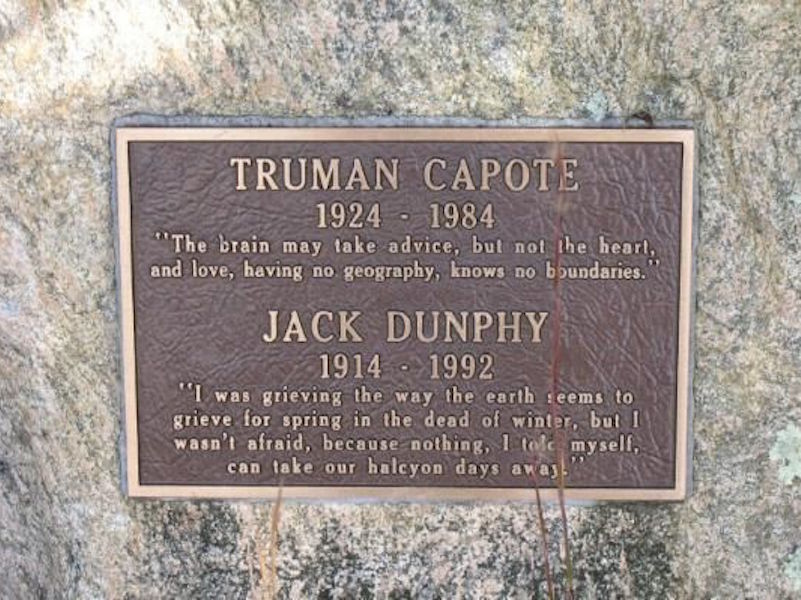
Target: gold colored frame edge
125,135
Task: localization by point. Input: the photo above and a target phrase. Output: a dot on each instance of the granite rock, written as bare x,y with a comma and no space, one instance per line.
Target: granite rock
68,68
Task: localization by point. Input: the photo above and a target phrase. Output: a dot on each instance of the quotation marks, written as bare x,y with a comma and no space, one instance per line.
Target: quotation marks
193,387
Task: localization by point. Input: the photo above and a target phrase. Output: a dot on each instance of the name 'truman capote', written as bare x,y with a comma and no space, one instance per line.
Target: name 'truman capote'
293,174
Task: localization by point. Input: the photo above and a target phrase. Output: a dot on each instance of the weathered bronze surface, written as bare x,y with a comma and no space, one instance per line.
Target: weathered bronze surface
388,313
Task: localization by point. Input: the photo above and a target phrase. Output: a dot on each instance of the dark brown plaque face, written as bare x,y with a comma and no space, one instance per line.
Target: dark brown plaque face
405,313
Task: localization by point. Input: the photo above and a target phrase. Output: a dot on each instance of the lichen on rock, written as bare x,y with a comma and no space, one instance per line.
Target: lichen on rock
786,451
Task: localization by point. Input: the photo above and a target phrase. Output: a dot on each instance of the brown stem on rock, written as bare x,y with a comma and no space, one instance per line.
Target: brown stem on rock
558,434
269,577
543,532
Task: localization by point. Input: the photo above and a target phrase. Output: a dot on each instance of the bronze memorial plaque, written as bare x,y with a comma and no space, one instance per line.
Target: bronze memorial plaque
405,313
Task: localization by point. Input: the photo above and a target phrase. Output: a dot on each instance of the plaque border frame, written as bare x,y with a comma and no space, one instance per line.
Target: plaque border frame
150,128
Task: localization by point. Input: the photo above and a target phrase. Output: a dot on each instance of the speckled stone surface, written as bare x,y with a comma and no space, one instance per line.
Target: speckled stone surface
67,69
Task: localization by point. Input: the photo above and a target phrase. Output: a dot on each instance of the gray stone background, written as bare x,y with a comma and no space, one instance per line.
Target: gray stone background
68,68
